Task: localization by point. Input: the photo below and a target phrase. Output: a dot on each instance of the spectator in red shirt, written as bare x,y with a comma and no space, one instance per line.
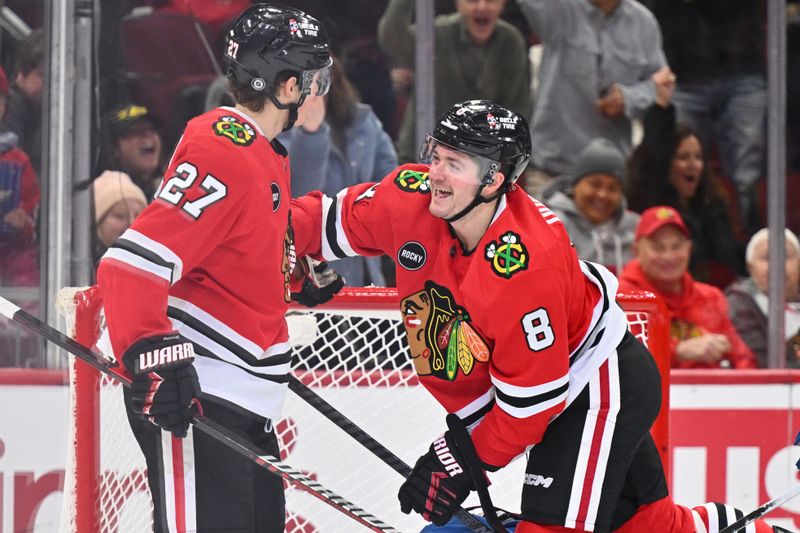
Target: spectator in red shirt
702,333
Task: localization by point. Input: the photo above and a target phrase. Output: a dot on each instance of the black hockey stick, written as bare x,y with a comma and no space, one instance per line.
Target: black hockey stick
779,500
369,442
206,425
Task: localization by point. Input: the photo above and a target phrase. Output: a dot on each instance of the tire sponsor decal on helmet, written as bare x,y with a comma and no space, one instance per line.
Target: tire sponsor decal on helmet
239,132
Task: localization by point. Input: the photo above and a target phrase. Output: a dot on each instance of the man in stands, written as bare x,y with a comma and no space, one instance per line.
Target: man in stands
703,335
510,332
202,277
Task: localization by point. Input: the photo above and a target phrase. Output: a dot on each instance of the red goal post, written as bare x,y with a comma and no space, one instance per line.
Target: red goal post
352,351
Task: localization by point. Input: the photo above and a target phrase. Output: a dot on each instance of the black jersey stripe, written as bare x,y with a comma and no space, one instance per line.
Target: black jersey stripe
530,401
722,515
145,253
330,230
228,344
277,378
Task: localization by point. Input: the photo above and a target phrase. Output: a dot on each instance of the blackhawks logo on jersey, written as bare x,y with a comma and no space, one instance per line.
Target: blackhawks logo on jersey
507,256
239,132
440,335
413,181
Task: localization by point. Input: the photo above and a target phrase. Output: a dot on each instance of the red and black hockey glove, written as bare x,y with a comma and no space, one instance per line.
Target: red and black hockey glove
438,484
319,283
164,383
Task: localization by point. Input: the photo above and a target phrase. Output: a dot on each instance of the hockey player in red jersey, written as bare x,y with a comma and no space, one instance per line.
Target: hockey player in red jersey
195,291
508,330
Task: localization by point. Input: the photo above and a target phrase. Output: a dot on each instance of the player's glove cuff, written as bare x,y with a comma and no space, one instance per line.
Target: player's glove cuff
164,383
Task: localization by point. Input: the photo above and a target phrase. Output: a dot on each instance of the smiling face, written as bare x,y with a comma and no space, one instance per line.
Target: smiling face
687,166
454,181
139,149
598,197
480,17
664,255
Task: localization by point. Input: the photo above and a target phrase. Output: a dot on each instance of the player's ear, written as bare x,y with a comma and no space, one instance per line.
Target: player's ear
287,89
496,182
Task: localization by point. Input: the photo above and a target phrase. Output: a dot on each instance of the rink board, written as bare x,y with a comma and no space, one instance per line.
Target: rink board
730,436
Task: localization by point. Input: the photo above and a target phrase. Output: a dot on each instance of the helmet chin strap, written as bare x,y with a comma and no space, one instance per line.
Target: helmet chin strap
292,107
478,200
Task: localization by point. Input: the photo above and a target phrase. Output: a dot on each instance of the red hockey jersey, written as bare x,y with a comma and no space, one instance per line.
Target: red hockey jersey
211,257
505,335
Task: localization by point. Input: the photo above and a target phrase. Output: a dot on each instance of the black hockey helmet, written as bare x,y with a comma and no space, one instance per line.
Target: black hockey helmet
267,39
488,131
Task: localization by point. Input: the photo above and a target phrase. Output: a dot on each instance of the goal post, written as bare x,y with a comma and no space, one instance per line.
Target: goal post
352,352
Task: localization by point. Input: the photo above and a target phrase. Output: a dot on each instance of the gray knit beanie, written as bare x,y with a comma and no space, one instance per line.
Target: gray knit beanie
599,157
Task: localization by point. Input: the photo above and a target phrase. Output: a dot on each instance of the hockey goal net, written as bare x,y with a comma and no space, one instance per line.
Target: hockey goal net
353,353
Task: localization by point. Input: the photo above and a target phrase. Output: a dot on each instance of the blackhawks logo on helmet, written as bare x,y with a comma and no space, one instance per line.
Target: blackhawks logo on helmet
413,181
239,132
507,256
440,335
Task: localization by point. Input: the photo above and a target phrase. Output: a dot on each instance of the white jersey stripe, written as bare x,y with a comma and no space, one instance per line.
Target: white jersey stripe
157,248
526,392
607,435
699,525
327,251
341,236
223,329
476,405
524,412
713,518
582,463
139,262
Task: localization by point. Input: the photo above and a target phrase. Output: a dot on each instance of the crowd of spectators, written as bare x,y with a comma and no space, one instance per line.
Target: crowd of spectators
647,120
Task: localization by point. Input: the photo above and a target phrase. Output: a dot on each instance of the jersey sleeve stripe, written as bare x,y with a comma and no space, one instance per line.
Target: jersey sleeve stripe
344,243
474,411
137,261
534,405
220,329
150,249
524,392
330,247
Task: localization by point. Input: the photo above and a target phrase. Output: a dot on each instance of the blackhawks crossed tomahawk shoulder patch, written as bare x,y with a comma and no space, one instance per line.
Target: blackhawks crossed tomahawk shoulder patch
508,255
238,131
412,181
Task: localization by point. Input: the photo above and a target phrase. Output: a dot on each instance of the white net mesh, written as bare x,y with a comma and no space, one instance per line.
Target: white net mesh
356,360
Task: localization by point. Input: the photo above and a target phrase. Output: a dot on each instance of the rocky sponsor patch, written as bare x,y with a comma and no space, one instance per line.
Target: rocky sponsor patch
412,256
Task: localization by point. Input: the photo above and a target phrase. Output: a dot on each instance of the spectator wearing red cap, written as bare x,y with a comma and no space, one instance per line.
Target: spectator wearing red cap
702,333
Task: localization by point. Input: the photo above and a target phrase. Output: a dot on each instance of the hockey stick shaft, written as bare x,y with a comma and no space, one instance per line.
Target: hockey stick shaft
370,443
761,511
206,425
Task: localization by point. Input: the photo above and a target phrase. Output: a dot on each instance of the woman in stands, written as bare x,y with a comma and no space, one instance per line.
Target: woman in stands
670,167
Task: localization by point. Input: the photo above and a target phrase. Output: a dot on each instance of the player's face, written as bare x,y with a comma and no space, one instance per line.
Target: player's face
117,219
664,255
598,197
687,167
759,267
139,150
454,180
480,17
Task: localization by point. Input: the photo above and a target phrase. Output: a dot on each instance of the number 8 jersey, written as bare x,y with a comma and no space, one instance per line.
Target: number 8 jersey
211,257
505,335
